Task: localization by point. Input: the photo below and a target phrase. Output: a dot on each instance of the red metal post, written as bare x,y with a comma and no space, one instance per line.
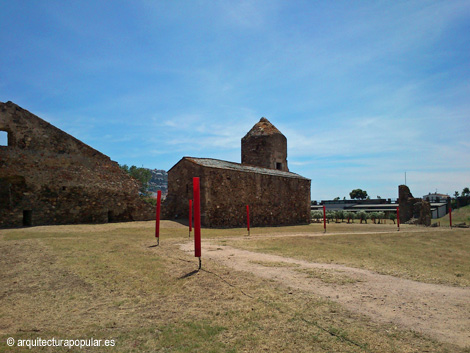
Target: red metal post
197,219
248,218
157,216
398,218
190,216
324,218
450,215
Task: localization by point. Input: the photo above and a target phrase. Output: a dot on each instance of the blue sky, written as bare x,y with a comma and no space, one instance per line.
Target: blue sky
364,91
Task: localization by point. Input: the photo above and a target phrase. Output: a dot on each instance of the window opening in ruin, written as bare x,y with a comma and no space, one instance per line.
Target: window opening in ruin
3,138
279,166
27,218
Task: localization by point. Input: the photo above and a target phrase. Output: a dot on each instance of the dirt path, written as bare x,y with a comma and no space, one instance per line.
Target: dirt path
439,311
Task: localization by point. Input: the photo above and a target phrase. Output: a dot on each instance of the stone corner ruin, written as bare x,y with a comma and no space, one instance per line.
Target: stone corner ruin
413,210
49,177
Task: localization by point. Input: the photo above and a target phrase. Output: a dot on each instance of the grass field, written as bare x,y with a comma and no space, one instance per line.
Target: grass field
110,282
460,215
434,256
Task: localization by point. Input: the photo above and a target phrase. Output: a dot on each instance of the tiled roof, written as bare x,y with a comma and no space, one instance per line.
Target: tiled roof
219,164
263,128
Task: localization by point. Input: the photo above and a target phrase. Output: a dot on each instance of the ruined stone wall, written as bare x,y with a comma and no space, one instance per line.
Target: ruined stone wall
58,179
273,200
422,212
411,207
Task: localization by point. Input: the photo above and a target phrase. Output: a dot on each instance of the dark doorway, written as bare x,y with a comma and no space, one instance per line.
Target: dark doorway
279,166
27,218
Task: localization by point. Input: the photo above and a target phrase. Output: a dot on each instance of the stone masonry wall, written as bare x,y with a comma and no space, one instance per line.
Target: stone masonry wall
273,200
180,189
58,179
265,151
411,207
264,146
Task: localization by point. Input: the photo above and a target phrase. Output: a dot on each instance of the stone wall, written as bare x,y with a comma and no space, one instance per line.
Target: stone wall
50,177
273,199
265,146
180,189
411,207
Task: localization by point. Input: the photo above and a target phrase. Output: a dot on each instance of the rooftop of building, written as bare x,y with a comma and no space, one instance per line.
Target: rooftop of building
263,128
220,164
435,194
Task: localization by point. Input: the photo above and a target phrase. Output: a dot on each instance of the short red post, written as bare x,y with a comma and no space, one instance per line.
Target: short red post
157,217
398,218
450,215
197,220
248,218
190,216
324,218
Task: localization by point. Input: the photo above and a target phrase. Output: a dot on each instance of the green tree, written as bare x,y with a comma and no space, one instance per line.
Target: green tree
330,215
454,204
456,194
380,215
392,217
317,215
143,175
349,215
363,216
374,216
466,192
340,214
358,194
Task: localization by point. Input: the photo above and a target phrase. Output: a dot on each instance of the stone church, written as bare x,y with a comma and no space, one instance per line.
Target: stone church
50,177
263,181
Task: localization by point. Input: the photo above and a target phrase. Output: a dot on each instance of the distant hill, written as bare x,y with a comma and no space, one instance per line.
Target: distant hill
158,181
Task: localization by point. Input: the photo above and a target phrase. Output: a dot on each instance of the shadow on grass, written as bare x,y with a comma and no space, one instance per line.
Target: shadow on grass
192,273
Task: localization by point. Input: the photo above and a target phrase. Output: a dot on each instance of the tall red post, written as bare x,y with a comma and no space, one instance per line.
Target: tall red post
248,218
197,220
157,217
398,218
190,216
450,215
324,218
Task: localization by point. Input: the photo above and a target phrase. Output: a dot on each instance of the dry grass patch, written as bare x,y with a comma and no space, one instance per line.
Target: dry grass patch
110,283
275,264
328,276
460,215
433,256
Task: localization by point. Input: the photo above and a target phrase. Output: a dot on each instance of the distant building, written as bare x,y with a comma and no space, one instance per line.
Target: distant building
50,177
435,197
438,209
262,181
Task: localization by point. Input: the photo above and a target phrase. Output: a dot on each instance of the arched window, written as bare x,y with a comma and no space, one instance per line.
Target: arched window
3,138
